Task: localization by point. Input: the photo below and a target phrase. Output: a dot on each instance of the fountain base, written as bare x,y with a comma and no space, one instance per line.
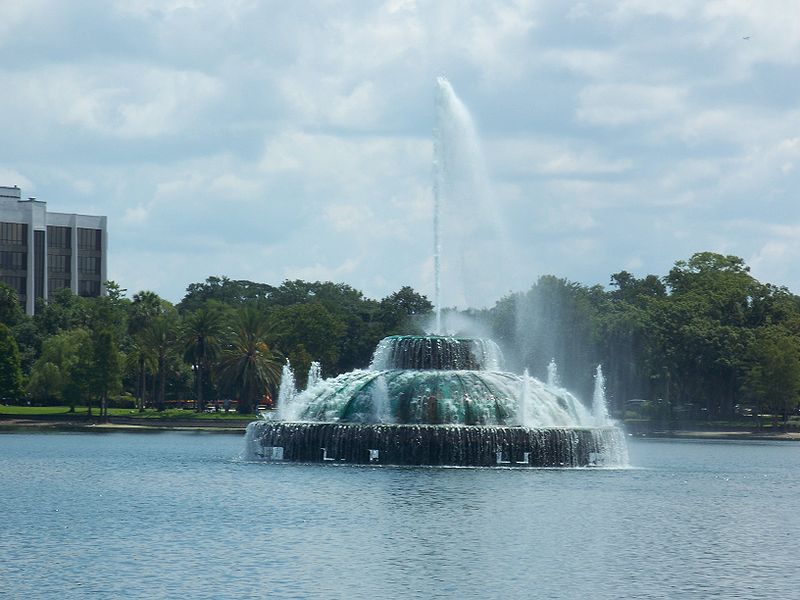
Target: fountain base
436,445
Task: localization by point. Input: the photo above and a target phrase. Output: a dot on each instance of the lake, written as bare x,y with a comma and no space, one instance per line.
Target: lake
179,515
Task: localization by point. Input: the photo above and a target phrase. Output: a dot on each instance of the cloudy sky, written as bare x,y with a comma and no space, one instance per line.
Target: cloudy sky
274,140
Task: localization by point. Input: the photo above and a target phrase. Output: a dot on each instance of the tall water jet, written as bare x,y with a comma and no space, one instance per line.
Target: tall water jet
552,374
287,391
314,374
599,405
470,246
380,401
524,400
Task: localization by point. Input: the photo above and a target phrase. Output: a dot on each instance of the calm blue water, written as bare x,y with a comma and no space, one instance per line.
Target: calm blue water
178,516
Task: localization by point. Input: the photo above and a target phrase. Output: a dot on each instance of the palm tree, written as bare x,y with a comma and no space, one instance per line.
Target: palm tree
200,335
248,367
140,360
158,338
145,308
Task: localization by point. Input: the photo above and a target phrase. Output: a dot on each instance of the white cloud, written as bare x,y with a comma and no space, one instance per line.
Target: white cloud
264,141
629,103
126,101
552,158
12,177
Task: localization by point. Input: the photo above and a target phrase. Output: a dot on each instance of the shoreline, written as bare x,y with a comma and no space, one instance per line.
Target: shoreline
121,424
748,436
55,426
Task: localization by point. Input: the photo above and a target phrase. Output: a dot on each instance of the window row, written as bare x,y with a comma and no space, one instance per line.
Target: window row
89,239
59,237
89,265
88,288
55,284
58,263
17,283
13,260
14,233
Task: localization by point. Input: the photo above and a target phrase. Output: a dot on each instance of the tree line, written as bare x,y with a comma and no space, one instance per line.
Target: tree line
225,340
706,340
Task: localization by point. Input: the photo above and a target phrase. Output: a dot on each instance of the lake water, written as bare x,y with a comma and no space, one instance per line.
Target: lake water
177,515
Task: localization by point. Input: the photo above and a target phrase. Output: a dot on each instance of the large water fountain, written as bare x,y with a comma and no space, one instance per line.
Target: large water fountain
439,399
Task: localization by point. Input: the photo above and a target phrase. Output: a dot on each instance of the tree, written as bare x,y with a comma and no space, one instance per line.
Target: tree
145,308
201,334
774,377
226,291
51,372
309,325
11,311
248,367
10,371
107,371
399,309
63,311
158,338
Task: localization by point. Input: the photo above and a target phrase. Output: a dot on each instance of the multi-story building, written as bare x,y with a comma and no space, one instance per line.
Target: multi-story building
41,251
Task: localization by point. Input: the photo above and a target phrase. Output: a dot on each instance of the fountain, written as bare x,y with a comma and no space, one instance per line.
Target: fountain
436,399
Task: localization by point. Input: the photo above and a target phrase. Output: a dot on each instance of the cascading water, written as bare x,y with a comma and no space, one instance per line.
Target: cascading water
524,400
380,401
418,386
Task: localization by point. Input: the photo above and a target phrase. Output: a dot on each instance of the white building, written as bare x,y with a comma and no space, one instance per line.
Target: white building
41,251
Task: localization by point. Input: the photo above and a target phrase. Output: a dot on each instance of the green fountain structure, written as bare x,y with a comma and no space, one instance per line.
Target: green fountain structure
437,401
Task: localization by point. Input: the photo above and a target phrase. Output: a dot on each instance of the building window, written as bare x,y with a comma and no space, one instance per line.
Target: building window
17,283
89,265
13,261
54,284
88,287
58,263
89,239
59,237
14,234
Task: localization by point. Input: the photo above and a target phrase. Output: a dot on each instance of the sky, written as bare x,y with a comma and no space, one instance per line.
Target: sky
282,140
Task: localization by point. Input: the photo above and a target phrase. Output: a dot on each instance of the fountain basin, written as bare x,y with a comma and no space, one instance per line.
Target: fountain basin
436,445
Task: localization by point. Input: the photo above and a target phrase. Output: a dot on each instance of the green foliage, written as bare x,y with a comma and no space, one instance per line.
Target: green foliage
401,311
201,335
773,379
225,291
698,341
106,377
11,311
248,368
10,371
50,374
310,326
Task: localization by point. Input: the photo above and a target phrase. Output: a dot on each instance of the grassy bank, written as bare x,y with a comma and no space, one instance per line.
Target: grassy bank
33,412
59,418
